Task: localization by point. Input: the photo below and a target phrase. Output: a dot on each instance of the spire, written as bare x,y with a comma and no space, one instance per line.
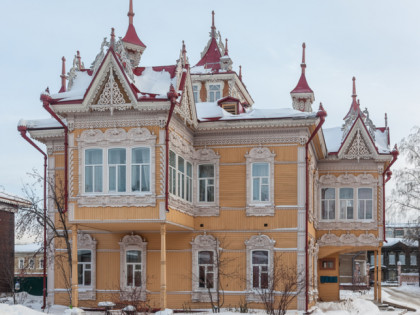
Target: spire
355,104
79,60
132,43
226,48
302,94
112,43
213,27
386,120
240,73
63,75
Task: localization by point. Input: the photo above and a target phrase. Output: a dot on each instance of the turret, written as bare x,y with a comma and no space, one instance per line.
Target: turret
132,43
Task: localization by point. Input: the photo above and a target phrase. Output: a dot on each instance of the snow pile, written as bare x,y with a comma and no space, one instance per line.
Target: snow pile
381,141
80,84
27,248
347,307
154,82
17,310
200,70
74,311
40,123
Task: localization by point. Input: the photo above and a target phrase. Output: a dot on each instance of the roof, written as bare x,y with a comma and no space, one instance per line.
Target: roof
48,123
27,248
132,37
393,241
211,58
13,200
302,86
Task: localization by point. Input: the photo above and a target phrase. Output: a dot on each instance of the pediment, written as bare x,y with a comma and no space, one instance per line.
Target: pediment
186,108
110,89
358,144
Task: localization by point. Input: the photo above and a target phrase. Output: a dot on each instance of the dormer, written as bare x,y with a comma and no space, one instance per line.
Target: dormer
231,105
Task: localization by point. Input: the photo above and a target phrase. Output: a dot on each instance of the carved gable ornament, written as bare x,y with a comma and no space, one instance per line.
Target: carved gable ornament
348,239
347,179
116,136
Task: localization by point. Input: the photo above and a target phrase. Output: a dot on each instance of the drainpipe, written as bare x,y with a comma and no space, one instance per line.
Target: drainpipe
46,101
22,130
172,96
321,114
388,174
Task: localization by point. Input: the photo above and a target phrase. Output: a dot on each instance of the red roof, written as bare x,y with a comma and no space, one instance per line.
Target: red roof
211,59
171,69
131,37
302,86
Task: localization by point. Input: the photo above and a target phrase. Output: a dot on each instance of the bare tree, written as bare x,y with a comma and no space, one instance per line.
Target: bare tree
284,284
30,221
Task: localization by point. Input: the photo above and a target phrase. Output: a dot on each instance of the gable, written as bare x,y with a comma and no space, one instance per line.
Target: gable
110,89
358,144
186,108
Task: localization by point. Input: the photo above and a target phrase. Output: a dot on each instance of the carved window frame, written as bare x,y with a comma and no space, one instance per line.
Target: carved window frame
86,242
202,157
133,242
198,86
116,138
258,242
348,181
255,208
200,243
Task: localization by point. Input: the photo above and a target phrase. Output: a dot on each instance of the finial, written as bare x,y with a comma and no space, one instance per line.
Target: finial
386,120
111,45
303,64
354,95
213,27
130,13
184,52
79,63
63,75
240,73
226,48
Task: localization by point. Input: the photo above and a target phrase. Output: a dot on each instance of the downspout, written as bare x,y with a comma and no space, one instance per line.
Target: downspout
46,100
388,174
172,96
321,114
22,130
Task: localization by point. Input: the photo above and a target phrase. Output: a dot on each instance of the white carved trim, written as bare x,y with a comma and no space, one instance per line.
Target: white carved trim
348,239
255,208
133,242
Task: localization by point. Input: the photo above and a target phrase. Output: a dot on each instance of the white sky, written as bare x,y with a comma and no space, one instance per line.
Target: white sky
376,41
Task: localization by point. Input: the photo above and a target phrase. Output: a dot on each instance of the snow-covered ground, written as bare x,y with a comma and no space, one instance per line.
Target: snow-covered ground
353,303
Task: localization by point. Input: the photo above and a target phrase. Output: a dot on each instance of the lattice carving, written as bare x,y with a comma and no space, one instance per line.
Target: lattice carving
111,94
358,149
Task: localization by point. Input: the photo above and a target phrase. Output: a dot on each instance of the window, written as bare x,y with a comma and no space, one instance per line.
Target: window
140,169
214,92
180,177
365,203
206,269
41,263
206,183
389,233
346,203
93,170
328,264
195,93
399,233
133,261
31,263
372,259
391,258
260,269
117,170
413,259
401,258
84,267
260,182
328,203
21,263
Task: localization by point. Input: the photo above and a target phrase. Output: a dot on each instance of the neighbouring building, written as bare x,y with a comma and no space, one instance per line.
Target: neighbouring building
9,205
169,167
29,266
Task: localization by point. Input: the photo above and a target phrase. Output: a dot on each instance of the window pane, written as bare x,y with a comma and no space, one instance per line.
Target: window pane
346,193
88,179
98,179
121,178
328,193
206,170
260,257
172,159
361,209
145,178
112,178
130,275
116,156
210,281
201,276
260,169
264,193
87,277
133,256
205,257
256,189
189,169
202,190
93,156
368,206
331,207
365,193
264,280
135,178
392,259
413,259
181,164
84,255
80,274
401,258
255,277
137,278
210,193
141,155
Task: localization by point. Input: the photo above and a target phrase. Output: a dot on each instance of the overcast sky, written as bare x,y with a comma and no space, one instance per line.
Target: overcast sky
376,41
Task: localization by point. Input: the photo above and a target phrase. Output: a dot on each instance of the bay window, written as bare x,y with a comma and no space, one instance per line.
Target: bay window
206,183
180,177
93,170
84,267
328,203
260,182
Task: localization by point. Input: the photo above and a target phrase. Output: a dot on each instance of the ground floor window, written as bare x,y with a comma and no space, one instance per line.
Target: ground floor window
84,267
133,261
260,269
206,269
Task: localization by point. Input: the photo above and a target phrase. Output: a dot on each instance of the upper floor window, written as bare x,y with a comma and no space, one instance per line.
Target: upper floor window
206,269
180,176
195,93
41,263
84,267
413,259
328,203
391,258
365,203
399,232
93,170
206,183
214,92
117,170
260,182
140,169
401,258
260,269
31,263
346,203
21,263
389,233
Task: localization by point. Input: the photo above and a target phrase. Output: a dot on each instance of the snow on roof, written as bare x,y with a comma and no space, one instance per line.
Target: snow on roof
200,70
13,200
381,141
392,241
154,82
27,248
211,111
40,123
80,85
333,138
